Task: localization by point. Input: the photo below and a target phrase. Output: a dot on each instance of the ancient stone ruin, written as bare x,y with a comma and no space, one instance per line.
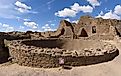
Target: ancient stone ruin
71,44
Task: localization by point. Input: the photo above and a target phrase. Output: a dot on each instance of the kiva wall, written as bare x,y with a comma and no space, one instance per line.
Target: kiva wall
49,58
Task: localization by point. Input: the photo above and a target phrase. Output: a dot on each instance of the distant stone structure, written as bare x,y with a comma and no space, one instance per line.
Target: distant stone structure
71,44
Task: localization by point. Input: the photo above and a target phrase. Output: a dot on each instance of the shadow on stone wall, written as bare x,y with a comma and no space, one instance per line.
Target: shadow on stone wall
91,60
52,43
4,55
47,61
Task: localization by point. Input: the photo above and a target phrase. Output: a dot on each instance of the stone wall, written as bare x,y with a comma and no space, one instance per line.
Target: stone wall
50,57
4,54
71,30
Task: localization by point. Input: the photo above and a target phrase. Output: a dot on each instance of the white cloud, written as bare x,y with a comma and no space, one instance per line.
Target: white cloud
117,9
75,21
67,19
21,27
76,7
52,24
5,25
0,24
50,21
94,2
31,24
109,15
26,19
19,19
23,8
101,13
9,29
47,27
31,30
73,10
66,13
9,10
6,28
22,5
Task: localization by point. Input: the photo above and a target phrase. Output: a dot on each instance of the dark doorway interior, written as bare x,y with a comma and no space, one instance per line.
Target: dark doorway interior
93,29
83,33
4,55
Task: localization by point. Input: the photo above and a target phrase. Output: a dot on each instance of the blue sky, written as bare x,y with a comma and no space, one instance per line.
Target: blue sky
45,15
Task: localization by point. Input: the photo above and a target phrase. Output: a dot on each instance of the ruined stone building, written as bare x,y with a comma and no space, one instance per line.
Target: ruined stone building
87,27
76,43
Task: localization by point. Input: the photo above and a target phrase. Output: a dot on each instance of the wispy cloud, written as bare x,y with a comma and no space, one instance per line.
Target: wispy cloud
31,24
23,8
11,9
6,6
94,2
50,21
22,5
48,27
6,27
51,1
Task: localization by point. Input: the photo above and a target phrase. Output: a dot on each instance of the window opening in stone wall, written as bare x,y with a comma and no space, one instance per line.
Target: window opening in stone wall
93,29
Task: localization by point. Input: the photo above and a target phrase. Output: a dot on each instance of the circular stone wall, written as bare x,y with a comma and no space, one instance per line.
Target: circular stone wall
50,53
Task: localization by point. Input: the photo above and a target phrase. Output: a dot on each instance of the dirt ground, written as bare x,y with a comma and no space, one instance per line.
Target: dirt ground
111,68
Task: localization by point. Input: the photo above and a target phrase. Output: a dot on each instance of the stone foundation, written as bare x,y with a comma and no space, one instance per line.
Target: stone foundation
33,56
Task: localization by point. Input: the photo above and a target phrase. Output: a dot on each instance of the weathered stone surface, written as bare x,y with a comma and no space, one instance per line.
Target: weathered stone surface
38,55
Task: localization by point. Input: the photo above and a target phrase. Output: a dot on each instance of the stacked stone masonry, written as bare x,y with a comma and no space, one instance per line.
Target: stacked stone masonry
49,57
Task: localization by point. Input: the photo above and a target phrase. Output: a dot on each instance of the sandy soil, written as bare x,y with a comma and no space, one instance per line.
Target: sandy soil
111,68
